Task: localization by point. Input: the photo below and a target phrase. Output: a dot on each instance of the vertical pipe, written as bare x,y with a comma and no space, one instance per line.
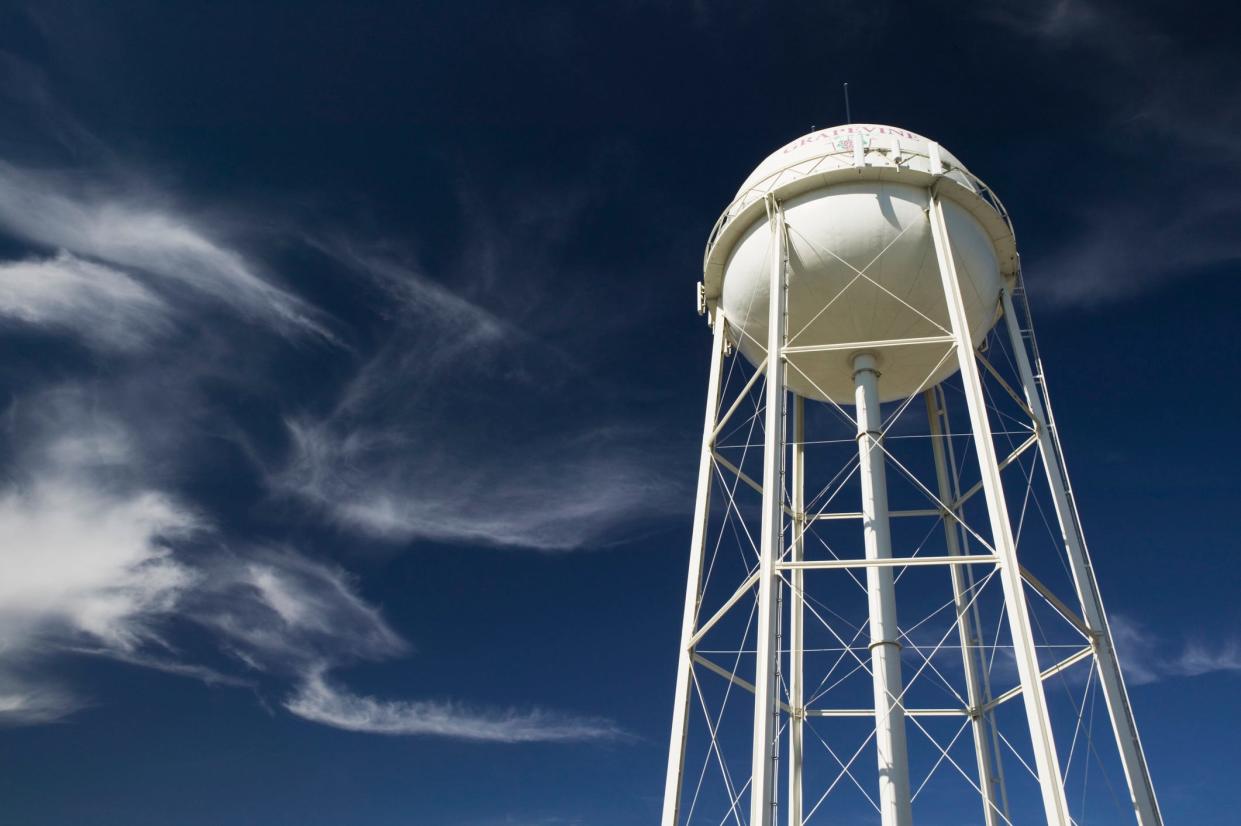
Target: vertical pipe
967,630
797,643
1051,784
693,584
762,793
1124,727
983,671
885,647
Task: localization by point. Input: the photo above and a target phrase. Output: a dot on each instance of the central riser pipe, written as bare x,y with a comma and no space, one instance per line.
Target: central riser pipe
885,647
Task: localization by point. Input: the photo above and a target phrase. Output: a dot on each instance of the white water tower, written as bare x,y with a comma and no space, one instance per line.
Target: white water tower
879,271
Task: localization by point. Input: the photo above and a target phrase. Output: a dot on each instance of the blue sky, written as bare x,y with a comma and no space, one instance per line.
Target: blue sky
351,385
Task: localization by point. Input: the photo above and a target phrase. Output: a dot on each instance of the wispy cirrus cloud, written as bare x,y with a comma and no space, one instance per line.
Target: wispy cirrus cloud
85,498
28,86
99,563
400,485
406,452
392,458
82,567
1122,249
1172,106
278,611
33,702
89,563
90,574
124,223
88,552
115,249
319,700
1147,657
94,464
101,305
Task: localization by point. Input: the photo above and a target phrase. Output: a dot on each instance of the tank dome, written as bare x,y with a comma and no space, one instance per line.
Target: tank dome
862,265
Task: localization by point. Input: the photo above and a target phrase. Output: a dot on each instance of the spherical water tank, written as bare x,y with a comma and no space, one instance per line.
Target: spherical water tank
855,199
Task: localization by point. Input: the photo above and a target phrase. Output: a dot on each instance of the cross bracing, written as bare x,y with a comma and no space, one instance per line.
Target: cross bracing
779,684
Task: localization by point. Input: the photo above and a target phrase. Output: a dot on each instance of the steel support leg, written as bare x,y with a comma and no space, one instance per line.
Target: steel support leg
995,809
766,707
797,643
885,647
1137,774
693,585
1041,737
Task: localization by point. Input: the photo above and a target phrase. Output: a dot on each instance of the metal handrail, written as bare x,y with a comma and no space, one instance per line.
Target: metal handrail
771,181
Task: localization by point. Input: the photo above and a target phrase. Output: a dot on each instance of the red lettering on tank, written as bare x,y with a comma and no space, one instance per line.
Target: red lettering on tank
841,136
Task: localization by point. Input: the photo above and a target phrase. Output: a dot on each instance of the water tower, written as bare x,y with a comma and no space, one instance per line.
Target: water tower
887,620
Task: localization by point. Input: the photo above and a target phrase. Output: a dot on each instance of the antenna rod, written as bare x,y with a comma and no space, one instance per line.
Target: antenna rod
848,115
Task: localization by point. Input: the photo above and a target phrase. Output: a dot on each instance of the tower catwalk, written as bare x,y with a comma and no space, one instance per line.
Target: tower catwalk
886,619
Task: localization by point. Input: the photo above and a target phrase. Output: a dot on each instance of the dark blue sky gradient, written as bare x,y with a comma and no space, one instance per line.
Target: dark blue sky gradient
489,220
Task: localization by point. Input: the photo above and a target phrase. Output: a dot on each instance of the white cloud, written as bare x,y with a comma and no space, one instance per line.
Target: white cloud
402,456
80,567
130,226
1120,250
318,700
282,613
92,566
100,304
104,568
1152,84
1170,109
29,86
161,662
1197,658
90,573
1054,20
81,562
393,458
1147,657
24,703
551,494
414,293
